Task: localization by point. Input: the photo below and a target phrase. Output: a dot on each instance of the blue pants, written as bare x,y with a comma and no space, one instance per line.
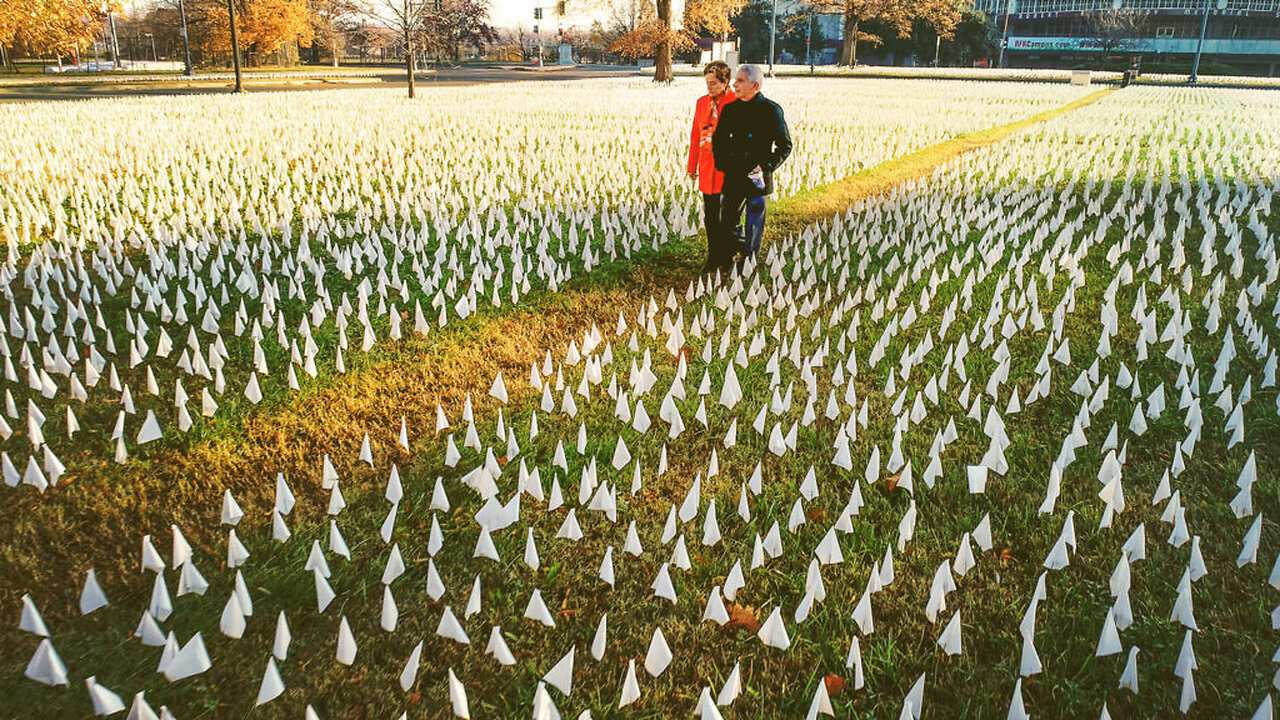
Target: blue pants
756,212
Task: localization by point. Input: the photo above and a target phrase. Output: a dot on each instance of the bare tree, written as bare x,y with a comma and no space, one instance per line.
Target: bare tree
331,20
451,24
407,18
627,15
1111,27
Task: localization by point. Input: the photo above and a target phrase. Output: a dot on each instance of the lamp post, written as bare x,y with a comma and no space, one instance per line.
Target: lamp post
537,31
1004,34
115,39
186,44
773,34
808,41
1204,25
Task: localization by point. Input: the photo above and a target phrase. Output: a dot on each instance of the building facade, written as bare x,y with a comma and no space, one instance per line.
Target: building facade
1063,33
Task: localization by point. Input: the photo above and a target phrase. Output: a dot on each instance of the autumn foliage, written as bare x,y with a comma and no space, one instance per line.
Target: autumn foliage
263,25
49,26
892,16
658,38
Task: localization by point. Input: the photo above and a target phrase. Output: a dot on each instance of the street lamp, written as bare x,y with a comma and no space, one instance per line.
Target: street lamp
773,34
115,39
537,31
186,44
1004,34
1204,25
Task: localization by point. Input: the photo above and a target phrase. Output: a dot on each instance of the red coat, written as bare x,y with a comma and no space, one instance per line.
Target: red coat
710,180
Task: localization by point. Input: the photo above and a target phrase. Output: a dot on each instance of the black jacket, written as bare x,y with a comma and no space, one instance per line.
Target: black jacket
750,133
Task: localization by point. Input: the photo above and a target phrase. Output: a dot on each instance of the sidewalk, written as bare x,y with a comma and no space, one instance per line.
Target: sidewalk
220,76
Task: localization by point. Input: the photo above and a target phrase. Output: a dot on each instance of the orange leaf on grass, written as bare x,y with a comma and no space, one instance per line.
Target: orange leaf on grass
835,684
742,616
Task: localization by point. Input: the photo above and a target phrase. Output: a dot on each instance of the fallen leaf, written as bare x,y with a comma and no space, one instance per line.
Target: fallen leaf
835,684
742,616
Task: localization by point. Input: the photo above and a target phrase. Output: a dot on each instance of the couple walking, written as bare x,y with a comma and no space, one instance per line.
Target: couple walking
739,138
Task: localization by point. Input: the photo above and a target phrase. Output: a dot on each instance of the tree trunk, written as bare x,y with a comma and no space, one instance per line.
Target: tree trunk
235,45
408,49
849,47
662,63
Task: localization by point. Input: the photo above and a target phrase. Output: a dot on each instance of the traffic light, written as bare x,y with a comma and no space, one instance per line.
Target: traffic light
560,7
537,13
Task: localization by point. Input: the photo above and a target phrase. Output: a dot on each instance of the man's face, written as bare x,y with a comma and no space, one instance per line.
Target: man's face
743,87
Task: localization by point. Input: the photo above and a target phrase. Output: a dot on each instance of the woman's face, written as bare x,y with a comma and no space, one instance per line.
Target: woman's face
715,88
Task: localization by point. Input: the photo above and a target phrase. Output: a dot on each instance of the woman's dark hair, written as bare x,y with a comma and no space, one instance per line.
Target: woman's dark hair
718,68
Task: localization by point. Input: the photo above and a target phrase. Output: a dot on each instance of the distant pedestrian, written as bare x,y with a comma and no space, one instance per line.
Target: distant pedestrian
750,142
701,166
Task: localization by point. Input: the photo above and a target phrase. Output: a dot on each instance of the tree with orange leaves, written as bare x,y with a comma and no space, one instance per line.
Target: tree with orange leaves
896,15
56,27
658,38
264,25
269,24
711,17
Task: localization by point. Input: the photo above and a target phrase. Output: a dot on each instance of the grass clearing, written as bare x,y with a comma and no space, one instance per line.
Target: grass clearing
806,300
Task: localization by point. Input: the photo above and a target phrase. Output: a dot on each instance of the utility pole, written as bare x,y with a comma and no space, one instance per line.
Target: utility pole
773,34
235,46
808,41
115,39
186,44
537,31
1204,25
1004,34
937,50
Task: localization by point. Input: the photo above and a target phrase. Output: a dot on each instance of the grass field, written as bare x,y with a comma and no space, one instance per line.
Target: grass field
905,324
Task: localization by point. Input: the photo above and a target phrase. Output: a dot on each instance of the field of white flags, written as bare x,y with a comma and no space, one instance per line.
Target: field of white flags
335,405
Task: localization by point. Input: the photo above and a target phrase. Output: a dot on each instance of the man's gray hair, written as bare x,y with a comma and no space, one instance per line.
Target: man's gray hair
754,73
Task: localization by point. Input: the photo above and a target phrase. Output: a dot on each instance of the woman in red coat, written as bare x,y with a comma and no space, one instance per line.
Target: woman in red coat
701,165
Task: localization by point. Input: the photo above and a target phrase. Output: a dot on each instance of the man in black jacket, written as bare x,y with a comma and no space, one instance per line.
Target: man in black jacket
749,143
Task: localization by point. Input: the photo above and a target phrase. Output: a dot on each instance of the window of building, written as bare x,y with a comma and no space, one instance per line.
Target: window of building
1164,31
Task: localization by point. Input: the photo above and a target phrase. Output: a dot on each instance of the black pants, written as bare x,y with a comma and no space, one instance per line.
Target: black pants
711,214
729,228
722,240
720,256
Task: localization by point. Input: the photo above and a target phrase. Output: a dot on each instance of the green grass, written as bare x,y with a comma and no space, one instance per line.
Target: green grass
1233,648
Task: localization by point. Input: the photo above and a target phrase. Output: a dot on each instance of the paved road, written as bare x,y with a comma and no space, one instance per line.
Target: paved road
384,79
